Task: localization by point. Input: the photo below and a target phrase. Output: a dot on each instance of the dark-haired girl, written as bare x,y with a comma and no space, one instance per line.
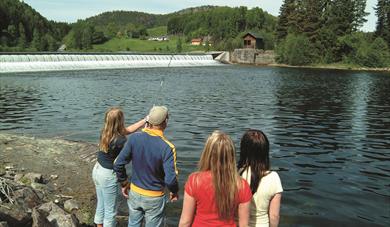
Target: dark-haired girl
266,187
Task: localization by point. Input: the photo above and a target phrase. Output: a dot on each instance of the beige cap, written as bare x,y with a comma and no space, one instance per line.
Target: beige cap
157,115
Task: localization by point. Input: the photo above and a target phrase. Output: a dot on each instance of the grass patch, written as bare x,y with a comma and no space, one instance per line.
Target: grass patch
25,181
157,31
87,215
338,66
137,45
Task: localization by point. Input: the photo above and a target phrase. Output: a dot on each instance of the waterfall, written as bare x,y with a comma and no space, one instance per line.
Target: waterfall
58,62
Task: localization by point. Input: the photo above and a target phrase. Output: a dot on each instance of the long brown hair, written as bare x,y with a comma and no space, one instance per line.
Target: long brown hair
254,155
114,126
218,157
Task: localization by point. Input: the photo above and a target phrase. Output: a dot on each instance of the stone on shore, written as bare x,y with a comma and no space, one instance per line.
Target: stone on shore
15,215
34,177
56,170
39,218
26,198
71,205
57,216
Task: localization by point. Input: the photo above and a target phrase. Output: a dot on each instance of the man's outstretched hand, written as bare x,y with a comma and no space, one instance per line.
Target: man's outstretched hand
173,197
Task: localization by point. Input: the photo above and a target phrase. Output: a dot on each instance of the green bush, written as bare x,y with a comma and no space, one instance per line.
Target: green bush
376,55
295,50
360,49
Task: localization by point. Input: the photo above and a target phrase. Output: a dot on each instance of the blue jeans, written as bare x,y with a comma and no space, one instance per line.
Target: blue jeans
106,191
150,208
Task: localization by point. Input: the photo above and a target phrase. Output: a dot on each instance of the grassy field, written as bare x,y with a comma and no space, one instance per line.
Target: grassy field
157,31
137,45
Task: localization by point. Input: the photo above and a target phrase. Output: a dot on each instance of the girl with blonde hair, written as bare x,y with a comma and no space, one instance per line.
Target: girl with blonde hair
216,193
112,140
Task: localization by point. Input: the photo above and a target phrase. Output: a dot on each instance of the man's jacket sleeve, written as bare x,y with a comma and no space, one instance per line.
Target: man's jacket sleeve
170,170
122,160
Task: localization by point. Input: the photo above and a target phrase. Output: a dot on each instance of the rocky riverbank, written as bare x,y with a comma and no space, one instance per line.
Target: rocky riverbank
46,182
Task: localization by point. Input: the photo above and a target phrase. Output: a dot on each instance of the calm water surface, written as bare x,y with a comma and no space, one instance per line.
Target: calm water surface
329,130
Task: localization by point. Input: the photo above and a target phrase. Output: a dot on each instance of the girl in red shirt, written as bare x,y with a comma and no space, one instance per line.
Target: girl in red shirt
216,193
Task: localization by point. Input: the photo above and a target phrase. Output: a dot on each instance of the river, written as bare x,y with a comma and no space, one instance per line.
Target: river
329,129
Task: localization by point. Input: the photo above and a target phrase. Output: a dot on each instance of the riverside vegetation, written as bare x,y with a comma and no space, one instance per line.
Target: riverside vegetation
306,32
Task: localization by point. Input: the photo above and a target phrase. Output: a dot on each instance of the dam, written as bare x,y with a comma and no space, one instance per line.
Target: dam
35,62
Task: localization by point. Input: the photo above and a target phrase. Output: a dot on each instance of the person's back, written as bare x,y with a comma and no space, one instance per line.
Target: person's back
269,186
266,187
150,152
215,194
153,160
200,186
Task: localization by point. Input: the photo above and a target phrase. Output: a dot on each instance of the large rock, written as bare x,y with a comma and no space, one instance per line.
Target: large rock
39,186
57,216
39,218
15,216
27,198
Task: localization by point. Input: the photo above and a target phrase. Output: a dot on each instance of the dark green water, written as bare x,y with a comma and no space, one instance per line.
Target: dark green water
329,130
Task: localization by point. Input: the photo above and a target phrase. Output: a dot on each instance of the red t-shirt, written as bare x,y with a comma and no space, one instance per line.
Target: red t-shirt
200,186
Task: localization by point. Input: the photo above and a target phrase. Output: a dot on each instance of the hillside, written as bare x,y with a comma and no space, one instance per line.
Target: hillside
223,26
123,18
21,28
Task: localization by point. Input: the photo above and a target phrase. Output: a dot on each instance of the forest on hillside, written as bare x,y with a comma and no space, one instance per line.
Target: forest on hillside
225,25
306,32
24,29
327,31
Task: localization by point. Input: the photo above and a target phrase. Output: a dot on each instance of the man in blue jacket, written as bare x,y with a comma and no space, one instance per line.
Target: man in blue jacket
153,160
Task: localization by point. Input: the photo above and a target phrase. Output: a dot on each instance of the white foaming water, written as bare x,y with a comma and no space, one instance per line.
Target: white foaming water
59,62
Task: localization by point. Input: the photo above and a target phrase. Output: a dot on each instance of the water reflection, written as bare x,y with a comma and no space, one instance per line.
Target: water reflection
17,105
329,130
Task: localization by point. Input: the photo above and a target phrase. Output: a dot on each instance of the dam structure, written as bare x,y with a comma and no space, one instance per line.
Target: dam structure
35,62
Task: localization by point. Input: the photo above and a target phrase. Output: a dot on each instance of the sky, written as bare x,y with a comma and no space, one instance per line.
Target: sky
72,10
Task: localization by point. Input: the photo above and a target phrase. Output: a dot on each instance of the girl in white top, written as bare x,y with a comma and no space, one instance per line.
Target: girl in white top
254,166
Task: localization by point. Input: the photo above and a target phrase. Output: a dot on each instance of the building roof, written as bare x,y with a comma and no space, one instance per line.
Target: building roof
254,35
196,40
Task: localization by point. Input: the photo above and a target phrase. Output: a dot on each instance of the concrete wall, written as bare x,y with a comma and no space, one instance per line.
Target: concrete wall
252,56
224,57
265,58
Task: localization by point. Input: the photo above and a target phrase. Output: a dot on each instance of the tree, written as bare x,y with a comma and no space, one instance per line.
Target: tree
36,41
98,38
345,16
22,42
378,54
382,11
179,47
286,11
52,44
255,19
295,50
111,30
86,37
312,18
12,34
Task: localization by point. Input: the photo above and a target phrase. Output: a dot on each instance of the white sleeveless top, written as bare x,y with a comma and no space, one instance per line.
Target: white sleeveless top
268,187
